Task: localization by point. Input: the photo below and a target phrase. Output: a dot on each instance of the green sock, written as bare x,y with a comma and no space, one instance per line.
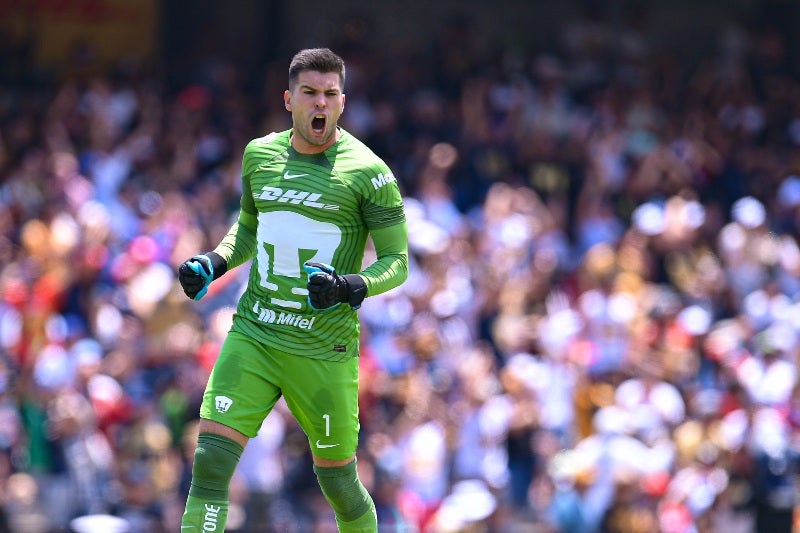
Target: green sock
352,505
215,460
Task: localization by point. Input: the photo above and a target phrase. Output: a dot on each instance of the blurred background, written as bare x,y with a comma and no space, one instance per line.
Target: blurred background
600,328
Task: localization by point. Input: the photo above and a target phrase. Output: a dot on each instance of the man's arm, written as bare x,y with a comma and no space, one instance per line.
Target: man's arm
239,244
391,267
327,288
197,273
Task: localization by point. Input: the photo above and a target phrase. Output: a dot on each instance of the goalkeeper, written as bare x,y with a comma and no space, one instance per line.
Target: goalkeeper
311,196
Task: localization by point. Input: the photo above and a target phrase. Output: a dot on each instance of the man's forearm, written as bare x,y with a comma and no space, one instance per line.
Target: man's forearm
239,243
391,267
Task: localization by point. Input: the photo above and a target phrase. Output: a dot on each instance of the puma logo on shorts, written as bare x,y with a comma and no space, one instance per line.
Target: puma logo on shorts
223,403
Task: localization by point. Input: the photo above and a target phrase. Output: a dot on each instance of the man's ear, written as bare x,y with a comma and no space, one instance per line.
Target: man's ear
287,100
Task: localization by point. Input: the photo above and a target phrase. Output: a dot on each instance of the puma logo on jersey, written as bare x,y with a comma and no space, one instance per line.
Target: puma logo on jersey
382,179
308,199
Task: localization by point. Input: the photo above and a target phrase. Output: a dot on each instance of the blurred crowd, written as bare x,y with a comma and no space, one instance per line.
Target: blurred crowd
599,332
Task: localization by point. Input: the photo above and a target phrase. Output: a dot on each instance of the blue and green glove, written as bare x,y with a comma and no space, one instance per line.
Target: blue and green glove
197,273
326,288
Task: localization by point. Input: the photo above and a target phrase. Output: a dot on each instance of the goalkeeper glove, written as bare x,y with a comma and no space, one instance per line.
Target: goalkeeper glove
326,288
197,273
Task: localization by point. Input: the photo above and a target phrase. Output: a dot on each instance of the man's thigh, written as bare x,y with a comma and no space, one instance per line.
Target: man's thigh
323,397
243,386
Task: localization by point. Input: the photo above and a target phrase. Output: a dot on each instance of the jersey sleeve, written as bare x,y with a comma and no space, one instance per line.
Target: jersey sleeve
391,267
382,209
239,244
382,204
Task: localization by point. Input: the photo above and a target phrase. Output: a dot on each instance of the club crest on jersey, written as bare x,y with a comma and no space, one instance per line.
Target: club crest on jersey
291,196
268,316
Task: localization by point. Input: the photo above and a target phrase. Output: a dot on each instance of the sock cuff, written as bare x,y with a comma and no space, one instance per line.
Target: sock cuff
221,442
336,471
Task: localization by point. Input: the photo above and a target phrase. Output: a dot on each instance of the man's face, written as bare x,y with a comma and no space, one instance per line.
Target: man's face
316,103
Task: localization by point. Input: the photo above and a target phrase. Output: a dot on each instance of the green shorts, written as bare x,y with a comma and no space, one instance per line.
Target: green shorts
249,378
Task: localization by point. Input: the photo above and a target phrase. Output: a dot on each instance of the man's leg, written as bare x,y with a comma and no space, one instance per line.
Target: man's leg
240,393
352,505
323,397
215,460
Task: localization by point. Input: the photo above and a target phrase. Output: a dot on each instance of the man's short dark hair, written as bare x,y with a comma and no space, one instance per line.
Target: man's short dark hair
316,59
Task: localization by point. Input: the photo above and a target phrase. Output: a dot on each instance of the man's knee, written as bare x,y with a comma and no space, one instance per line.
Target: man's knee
215,460
343,490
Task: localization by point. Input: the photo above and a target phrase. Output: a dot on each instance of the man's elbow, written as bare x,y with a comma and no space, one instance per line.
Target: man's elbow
402,269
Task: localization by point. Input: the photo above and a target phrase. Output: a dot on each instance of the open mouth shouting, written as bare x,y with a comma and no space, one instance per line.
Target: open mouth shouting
318,123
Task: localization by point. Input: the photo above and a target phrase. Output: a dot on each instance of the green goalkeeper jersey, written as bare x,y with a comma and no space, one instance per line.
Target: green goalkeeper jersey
298,207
